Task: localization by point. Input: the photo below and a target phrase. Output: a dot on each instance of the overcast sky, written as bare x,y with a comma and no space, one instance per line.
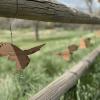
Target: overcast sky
77,3
72,2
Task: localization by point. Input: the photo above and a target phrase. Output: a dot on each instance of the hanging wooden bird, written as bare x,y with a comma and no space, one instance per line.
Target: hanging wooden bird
67,55
97,34
72,48
16,54
85,42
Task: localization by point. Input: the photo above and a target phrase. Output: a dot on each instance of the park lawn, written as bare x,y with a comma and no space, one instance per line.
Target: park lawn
44,66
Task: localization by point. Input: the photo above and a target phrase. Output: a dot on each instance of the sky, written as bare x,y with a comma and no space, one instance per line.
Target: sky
77,3
72,2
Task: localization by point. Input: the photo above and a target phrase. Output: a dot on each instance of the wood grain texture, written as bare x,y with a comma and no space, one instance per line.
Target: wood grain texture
43,10
57,88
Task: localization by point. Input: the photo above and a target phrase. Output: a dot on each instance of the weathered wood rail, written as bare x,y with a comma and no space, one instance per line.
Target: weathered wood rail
44,11
47,11
57,88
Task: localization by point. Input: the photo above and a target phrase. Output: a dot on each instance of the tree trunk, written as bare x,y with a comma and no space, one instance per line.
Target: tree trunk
37,30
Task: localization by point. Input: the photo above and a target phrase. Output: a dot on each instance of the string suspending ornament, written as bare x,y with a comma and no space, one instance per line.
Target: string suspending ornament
14,53
11,33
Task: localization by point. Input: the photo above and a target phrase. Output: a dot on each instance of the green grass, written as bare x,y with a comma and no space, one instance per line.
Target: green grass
44,67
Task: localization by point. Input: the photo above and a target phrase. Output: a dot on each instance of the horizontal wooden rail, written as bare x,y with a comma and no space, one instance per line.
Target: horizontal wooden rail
43,10
57,88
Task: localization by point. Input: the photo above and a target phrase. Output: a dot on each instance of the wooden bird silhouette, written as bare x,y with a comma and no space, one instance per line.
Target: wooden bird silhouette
85,42
68,53
65,55
16,54
72,48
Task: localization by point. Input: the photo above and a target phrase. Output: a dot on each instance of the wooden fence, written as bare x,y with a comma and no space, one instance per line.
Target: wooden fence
65,82
44,11
52,12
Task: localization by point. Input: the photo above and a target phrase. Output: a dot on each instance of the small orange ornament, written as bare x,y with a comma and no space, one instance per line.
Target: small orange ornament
85,42
97,34
65,55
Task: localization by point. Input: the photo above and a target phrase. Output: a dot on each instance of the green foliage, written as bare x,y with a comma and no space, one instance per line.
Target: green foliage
90,84
88,87
45,65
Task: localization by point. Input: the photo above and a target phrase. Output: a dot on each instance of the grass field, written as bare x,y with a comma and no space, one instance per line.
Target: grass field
45,66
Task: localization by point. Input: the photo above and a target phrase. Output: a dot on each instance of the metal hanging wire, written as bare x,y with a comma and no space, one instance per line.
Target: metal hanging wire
11,33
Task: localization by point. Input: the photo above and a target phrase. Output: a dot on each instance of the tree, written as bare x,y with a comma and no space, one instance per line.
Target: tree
89,4
37,30
37,24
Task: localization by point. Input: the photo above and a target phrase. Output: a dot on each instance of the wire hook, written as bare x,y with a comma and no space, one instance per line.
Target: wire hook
11,33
